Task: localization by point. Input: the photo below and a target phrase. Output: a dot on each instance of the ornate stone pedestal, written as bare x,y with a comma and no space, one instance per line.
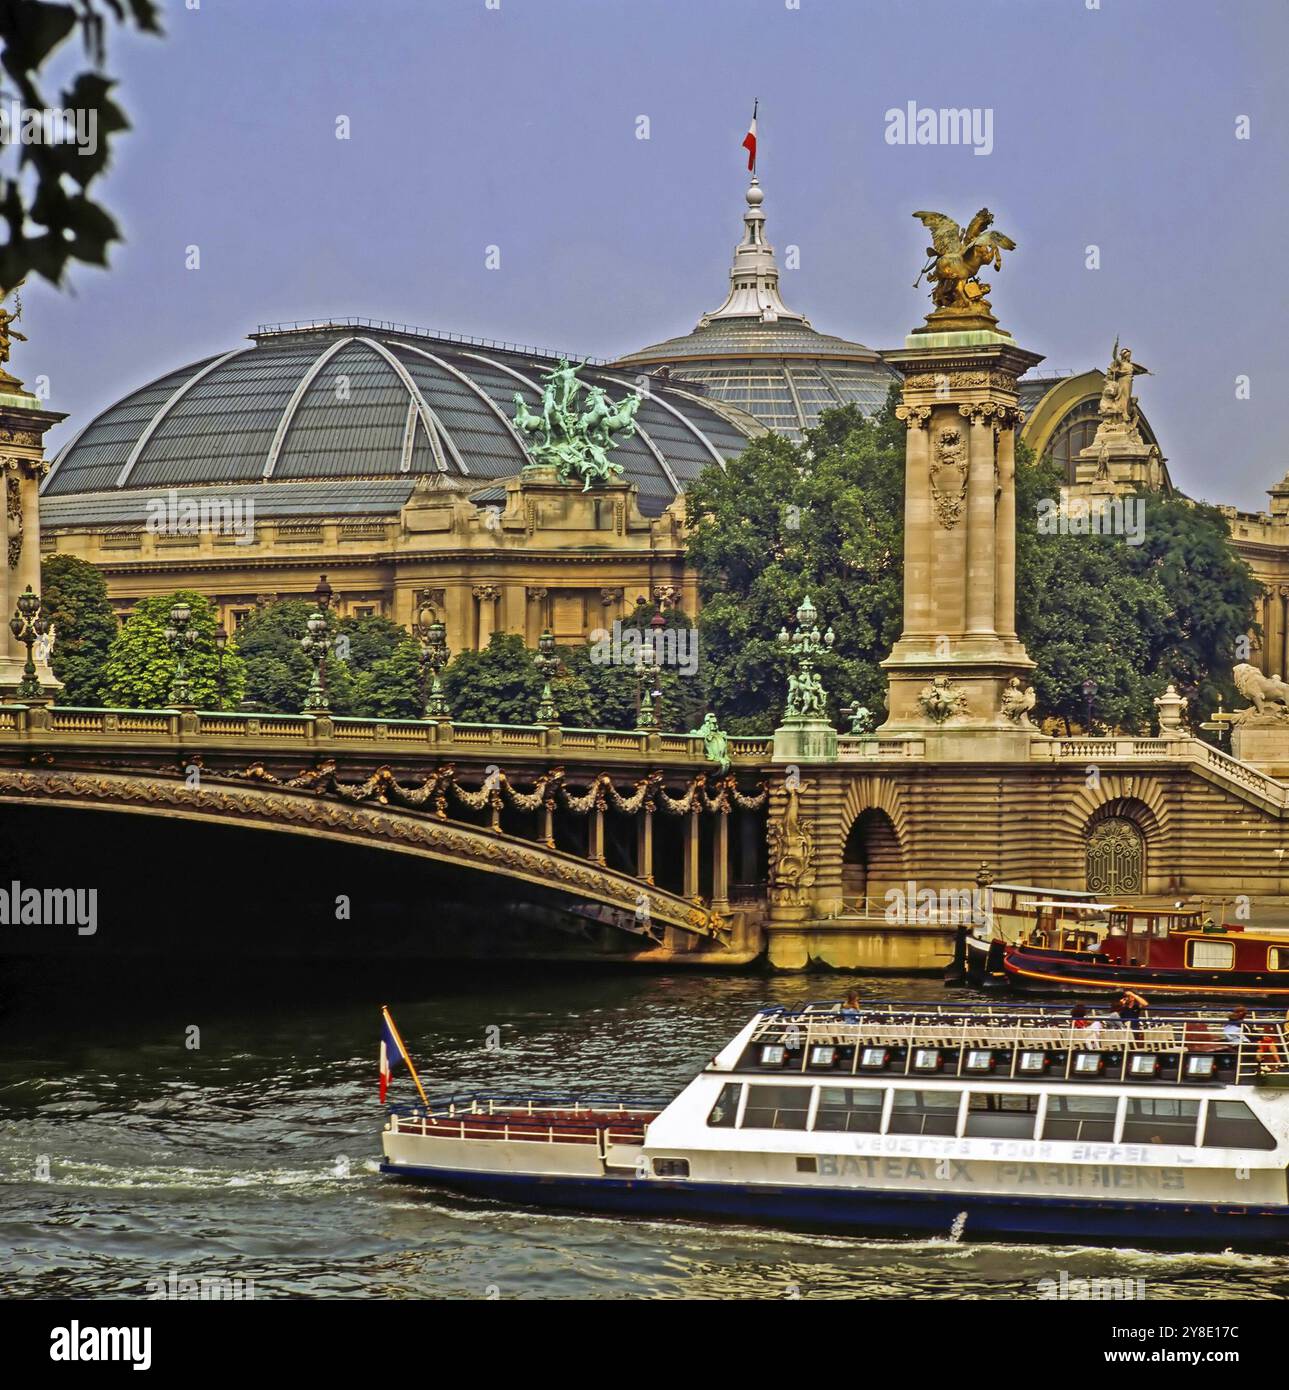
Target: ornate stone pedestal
1263,740
958,672
22,430
802,740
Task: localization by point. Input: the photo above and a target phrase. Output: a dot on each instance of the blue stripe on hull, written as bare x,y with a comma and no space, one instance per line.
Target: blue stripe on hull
899,1213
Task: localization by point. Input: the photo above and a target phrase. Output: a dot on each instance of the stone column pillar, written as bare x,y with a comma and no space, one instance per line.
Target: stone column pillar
981,557
1005,526
1265,618
595,835
691,860
486,595
1282,615
955,676
917,519
644,844
536,617
721,861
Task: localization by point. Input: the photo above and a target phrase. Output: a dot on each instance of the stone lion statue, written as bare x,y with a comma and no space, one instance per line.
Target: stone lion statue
1261,690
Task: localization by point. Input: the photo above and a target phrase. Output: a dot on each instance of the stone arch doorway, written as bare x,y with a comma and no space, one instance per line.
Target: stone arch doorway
873,859
1116,854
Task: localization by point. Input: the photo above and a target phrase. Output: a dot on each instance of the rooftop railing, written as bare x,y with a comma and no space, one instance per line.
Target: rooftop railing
408,330
1000,1036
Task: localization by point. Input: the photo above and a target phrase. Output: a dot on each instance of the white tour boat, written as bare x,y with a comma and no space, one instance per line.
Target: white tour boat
980,1121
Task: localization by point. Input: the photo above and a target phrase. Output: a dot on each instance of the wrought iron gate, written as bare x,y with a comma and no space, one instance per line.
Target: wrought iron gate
1116,857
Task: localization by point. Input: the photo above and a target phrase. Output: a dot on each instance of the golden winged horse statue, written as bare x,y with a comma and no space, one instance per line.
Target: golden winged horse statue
957,256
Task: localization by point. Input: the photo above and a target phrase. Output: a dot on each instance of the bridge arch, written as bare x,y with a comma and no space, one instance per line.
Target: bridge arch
619,898
873,853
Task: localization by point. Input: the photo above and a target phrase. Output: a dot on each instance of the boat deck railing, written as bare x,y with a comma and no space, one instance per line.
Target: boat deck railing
1242,1052
601,1120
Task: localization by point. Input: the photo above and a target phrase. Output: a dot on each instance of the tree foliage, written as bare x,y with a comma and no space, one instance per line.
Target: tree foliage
75,604
140,665
783,522
45,202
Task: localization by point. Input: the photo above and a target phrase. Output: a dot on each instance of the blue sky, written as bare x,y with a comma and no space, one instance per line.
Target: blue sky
516,127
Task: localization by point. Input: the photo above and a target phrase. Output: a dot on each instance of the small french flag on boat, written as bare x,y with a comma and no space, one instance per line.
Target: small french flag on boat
392,1049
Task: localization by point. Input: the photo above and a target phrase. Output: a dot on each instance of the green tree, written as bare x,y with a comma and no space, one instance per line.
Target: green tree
823,519
278,672
500,685
140,665
391,687
611,679
50,217
75,603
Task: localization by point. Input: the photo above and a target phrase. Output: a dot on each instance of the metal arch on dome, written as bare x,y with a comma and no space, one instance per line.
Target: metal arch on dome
684,420
288,414
435,431
477,389
796,398
175,397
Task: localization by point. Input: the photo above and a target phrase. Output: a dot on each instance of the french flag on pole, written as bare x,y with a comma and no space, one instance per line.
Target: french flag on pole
391,1051
749,140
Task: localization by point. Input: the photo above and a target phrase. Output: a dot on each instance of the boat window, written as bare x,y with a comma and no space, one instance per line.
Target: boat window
1089,1118
776,1107
1160,1120
1278,958
851,1111
1232,1125
925,1112
1210,955
725,1111
1000,1116
671,1167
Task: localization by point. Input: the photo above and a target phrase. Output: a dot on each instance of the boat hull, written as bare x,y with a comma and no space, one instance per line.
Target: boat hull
858,1211
1050,973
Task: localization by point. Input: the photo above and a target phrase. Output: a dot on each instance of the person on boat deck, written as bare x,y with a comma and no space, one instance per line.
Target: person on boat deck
1080,1017
851,1003
1233,1029
1130,1006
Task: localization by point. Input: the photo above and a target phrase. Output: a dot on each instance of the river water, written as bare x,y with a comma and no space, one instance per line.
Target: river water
253,1156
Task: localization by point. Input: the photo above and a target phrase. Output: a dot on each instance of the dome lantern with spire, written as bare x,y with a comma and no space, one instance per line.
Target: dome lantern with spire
756,353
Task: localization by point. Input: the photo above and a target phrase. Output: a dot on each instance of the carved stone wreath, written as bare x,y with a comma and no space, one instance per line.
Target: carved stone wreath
949,476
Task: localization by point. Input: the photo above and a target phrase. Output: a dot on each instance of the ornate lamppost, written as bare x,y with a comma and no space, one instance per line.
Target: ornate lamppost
27,625
221,642
435,655
807,698
547,664
316,644
181,639
1089,690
